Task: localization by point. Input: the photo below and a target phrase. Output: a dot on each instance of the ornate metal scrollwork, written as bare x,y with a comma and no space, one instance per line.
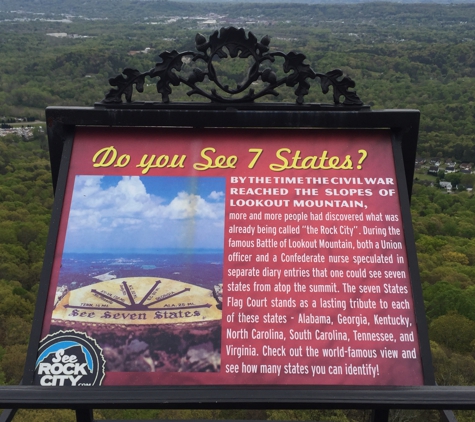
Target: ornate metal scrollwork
238,45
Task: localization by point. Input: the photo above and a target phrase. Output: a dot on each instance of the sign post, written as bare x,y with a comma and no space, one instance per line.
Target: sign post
262,245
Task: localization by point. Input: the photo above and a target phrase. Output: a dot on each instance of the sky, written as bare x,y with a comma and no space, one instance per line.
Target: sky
145,214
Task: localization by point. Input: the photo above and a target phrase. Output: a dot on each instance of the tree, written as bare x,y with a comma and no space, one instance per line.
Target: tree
442,331
443,298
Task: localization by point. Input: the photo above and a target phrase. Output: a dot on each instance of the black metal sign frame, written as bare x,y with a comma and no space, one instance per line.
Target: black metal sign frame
243,113
403,124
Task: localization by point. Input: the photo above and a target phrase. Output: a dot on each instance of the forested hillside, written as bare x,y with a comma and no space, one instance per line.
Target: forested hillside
418,56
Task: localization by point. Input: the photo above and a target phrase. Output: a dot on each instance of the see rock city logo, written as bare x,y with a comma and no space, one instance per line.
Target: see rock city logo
69,358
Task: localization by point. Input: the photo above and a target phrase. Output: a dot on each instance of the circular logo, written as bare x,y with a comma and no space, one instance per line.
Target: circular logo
69,358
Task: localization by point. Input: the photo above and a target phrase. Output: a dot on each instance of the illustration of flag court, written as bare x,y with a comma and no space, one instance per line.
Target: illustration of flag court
147,323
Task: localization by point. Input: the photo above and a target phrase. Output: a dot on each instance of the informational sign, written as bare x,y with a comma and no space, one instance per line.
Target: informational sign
231,257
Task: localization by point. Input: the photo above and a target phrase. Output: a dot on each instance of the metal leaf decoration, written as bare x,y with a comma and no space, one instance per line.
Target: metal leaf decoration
234,43
340,86
125,86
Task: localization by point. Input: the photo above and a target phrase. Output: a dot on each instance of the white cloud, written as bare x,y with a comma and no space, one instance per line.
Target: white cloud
126,214
216,196
94,207
187,205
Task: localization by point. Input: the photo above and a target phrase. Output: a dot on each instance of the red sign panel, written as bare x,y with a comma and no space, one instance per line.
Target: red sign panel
232,257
